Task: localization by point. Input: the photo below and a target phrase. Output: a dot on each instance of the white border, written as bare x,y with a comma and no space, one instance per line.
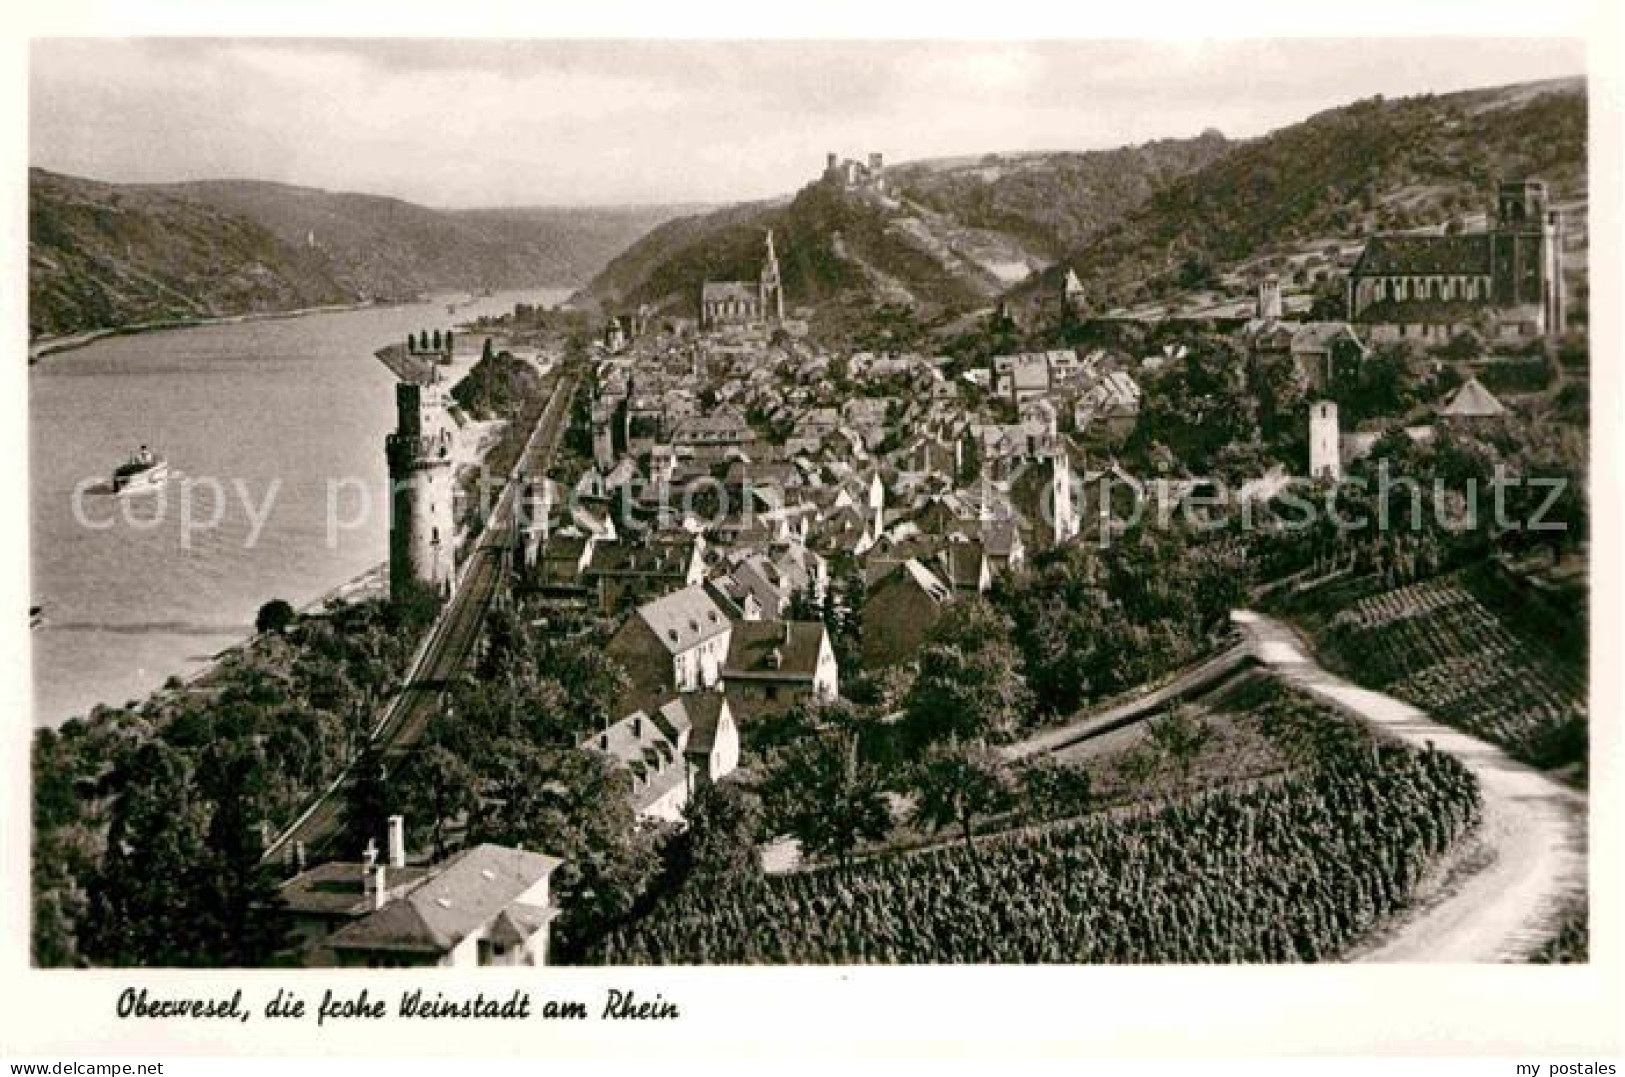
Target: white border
1336,1010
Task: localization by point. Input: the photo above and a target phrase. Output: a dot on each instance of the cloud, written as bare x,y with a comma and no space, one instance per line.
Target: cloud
461,122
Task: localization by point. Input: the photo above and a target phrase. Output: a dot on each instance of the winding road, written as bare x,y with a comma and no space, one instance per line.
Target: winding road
1534,828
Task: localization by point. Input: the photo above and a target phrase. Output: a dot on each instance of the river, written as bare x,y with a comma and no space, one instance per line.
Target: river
266,424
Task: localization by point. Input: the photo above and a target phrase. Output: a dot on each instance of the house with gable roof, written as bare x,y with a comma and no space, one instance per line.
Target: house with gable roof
488,905
901,609
670,749
773,664
673,644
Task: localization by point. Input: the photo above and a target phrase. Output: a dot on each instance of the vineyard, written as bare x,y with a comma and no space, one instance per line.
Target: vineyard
1284,871
1437,645
1572,943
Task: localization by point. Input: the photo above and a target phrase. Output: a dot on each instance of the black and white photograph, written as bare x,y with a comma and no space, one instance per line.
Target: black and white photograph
640,502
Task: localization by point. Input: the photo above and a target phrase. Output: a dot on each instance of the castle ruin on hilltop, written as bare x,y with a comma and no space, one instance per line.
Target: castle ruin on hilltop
851,175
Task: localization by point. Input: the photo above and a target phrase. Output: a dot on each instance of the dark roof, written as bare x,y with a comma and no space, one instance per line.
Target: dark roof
1414,255
518,922
884,559
754,643
465,894
705,708
962,564
335,888
718,291
664,558
1000,537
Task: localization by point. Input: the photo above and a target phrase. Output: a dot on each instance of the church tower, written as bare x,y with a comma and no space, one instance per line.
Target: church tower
422,528
772,288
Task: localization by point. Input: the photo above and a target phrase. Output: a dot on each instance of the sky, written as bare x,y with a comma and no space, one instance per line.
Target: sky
492,122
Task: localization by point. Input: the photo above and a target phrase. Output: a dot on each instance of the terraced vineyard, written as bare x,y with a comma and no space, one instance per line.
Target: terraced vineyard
1437,645
1292,870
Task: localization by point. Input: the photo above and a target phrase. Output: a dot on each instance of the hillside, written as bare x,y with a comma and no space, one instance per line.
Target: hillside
1177,223
1055,201
1373,166
104,255
948,233
387,247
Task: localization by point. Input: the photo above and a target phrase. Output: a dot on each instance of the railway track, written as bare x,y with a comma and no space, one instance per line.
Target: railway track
450,638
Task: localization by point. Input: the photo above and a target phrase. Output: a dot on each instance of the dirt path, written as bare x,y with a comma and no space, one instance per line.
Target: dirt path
1533,837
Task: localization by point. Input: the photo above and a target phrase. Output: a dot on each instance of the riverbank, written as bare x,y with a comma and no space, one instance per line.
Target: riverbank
39,349
365,586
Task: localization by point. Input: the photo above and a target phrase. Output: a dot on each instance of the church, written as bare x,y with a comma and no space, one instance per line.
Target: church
1507,280
724,303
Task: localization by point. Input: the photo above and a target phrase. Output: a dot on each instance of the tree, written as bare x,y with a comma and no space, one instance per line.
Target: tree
956,783
438,787
718,848
970,685
368,803
1052,789
1179,737
146,901
241,917
804,605
823,795
275,616
574,805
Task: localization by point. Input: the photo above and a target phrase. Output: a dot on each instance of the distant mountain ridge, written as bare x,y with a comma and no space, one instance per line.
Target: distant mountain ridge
1137,223
105,255
1376,165
947,232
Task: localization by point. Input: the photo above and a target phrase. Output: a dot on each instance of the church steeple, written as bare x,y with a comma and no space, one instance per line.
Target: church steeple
772,289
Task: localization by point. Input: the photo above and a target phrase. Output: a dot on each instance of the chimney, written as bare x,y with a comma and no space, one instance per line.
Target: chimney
397,841
298,857
786,633
369,856
380,887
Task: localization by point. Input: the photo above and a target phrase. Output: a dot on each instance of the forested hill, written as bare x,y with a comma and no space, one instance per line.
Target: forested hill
1054,201
1375,165
949,232
102,255
106,255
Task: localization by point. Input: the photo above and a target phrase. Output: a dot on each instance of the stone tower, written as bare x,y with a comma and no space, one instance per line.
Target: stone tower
1269,298
772,288
422,528
1526,252
1325,443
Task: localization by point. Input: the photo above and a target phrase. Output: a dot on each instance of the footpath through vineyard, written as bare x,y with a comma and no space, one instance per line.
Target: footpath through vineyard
1534,828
